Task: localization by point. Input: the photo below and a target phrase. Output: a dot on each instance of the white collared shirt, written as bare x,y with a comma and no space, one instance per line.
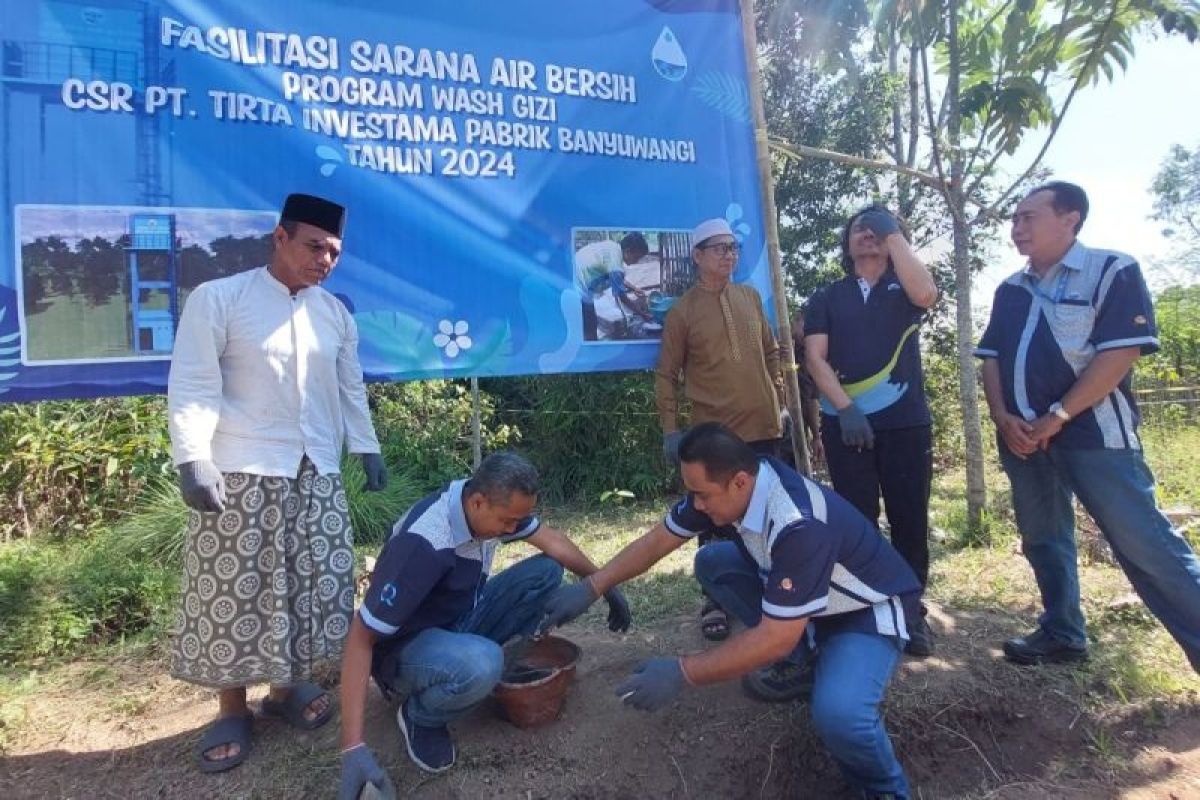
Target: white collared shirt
261,377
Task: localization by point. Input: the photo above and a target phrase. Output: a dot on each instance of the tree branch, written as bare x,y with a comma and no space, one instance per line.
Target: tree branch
1059,39
914,108
802,151
943,185
897,128
993,209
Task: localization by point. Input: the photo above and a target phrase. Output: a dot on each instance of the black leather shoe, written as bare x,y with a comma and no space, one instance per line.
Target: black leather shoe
1040,647
780,682
920,639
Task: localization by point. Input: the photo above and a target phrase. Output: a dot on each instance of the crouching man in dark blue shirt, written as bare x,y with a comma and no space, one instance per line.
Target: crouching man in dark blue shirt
432,622
804,569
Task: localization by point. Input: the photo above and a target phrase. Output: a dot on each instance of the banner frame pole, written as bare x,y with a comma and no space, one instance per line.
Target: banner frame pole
783,321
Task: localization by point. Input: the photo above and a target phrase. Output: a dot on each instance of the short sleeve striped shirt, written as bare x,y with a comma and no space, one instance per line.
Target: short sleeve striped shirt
1045,332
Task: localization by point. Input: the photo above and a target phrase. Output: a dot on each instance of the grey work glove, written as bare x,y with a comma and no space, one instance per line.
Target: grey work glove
566,603
202,485
880,223
856,430
653,685
671,446
376,471
619,615
359,768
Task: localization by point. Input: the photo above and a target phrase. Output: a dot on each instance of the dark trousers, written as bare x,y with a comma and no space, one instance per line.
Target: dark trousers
589,320
900,467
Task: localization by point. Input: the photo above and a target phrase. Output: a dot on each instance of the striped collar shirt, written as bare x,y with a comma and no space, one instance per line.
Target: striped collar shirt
1044,333
816,555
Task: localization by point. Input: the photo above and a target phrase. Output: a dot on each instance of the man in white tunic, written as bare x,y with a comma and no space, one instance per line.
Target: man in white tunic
265,391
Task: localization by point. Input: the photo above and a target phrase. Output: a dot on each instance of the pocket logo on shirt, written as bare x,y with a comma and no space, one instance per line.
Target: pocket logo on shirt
786,584
1139,320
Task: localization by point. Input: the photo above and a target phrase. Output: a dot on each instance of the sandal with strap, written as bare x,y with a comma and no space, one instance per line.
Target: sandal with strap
291,710
225,731
714,622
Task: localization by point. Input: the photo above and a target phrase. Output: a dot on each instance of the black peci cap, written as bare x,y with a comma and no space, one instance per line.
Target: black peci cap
316,211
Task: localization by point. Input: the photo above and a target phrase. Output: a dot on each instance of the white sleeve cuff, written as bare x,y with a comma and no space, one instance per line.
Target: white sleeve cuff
376,624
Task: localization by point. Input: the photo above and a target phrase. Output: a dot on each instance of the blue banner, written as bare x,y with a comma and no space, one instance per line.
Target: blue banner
520,176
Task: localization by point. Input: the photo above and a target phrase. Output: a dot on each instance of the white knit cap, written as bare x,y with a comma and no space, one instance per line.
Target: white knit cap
710,228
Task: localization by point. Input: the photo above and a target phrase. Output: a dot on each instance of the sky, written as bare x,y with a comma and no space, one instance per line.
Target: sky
1112,143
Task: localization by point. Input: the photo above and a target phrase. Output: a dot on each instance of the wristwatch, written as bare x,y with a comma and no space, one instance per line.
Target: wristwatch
1057,410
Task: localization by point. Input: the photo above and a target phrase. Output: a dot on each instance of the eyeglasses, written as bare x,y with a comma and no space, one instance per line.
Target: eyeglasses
723,248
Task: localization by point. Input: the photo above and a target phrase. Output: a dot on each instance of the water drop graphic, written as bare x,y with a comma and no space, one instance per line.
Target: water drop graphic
331,157
668,56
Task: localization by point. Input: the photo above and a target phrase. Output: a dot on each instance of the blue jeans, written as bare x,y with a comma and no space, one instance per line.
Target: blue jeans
1117,489
852,673
446,673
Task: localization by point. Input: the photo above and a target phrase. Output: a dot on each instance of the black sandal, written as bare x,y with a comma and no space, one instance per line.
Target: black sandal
225,731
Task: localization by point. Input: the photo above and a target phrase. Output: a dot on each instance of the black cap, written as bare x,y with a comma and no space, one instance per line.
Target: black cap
316,211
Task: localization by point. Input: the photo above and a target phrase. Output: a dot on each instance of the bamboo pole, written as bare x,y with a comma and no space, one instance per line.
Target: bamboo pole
476,436
783,319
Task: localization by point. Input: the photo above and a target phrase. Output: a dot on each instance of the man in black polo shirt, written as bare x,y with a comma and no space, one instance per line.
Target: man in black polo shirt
1058,354
862,350
803,565
432,622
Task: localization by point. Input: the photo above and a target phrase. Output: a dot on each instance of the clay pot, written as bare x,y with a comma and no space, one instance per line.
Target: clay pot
528,704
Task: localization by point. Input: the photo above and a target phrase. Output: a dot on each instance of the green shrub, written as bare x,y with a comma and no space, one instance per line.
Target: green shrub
588,434
424,428
66,466
152,531
56,597
373,513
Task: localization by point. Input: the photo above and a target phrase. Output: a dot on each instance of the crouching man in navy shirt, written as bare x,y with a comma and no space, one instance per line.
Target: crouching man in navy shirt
432,622
803,564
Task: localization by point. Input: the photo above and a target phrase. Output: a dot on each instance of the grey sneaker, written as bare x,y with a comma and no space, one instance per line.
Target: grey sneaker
780,682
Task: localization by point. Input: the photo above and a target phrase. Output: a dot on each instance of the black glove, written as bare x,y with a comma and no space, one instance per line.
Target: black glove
654,684
202,486
565,604
671,446
375,470
360,768
856,430
619,616
880,223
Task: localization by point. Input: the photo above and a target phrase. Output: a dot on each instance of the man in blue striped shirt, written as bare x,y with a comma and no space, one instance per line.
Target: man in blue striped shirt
802,568
1058,355
433,619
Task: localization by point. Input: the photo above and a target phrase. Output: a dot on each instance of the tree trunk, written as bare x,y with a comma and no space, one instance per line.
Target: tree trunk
968,396
968,392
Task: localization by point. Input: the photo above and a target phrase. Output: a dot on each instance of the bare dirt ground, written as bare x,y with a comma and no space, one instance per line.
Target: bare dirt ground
966,725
